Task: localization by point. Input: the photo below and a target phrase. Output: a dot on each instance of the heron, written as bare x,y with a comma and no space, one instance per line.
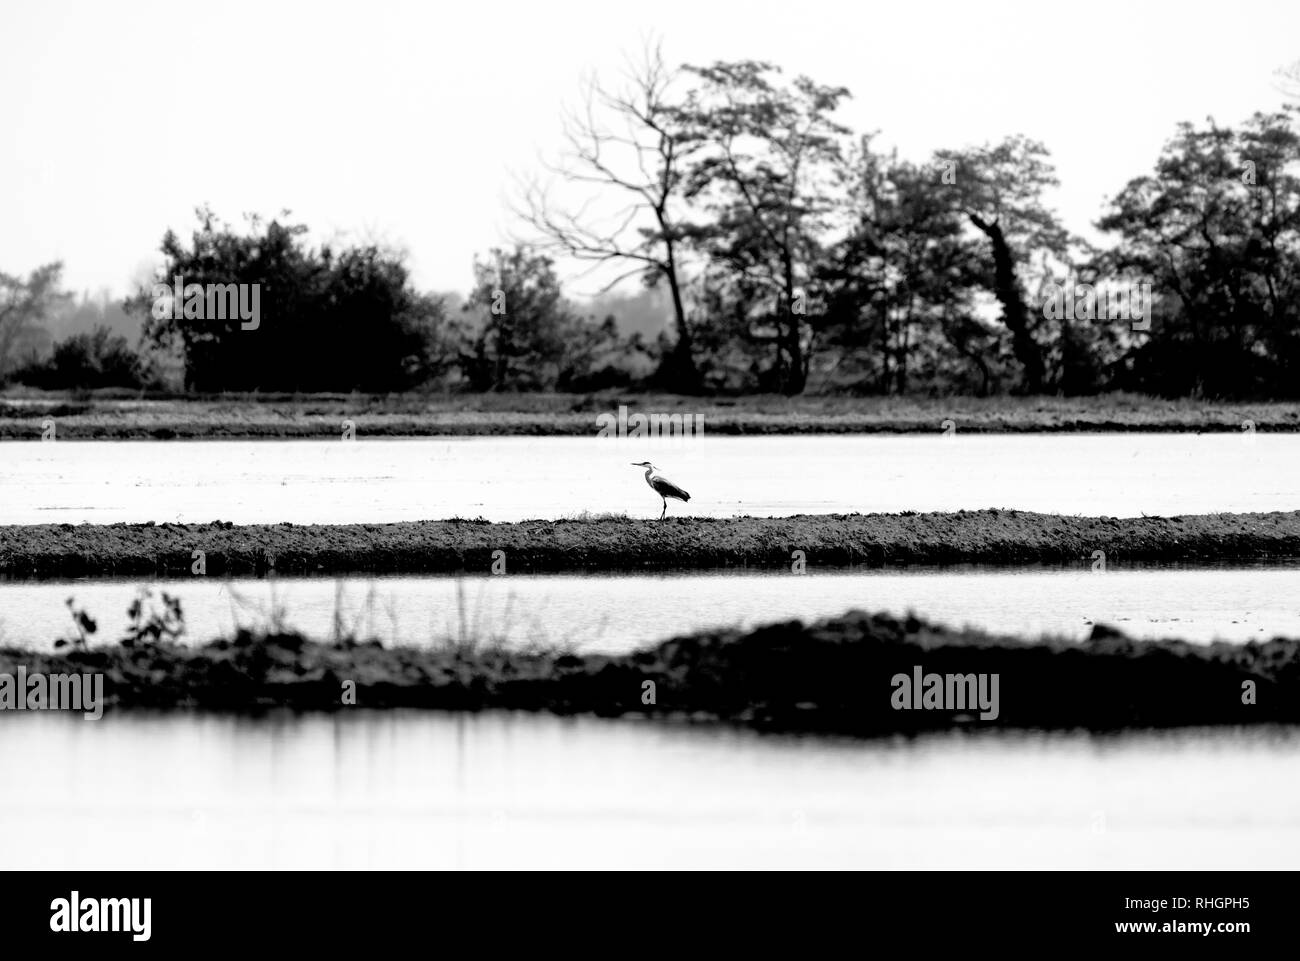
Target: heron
662,485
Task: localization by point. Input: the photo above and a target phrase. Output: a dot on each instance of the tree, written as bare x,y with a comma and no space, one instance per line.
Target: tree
24,305
628,141
1000,188
529,338
1216,230
900,285
764,168
329,321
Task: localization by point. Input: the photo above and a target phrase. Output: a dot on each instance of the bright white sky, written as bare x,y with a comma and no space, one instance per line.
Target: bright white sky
403,122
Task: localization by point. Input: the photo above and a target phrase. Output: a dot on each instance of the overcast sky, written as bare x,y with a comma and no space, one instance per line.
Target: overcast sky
403,122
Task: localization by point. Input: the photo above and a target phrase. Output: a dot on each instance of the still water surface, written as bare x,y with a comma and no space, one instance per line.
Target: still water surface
516,478
623,612
411,790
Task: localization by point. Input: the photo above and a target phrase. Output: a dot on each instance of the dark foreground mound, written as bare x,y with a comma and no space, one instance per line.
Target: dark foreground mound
618,543
840,675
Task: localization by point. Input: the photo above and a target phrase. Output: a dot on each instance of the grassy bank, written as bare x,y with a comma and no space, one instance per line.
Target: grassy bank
109,418
832,676
613,543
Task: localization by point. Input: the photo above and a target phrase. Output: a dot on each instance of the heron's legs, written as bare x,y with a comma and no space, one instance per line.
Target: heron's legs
665,500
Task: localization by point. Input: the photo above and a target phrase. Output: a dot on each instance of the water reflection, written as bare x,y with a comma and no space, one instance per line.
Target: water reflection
411,790
623,612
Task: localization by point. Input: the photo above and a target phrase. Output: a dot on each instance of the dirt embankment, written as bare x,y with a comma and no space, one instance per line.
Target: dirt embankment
414,415
621,544
841,675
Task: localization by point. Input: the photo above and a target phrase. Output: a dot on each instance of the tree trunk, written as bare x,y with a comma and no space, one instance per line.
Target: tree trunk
678,371
796,378
1014,313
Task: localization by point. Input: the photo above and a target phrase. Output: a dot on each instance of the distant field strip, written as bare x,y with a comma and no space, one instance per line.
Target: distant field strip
577,415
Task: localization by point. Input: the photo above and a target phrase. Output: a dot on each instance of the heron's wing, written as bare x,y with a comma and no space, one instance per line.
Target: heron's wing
667,488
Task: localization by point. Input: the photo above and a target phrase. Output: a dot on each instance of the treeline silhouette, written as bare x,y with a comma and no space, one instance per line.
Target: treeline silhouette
789,254
806,257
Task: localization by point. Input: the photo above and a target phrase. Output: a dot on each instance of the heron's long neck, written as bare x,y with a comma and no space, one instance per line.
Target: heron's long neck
648,472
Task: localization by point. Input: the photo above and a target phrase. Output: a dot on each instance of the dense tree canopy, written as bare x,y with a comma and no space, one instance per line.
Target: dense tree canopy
1216,229
327,320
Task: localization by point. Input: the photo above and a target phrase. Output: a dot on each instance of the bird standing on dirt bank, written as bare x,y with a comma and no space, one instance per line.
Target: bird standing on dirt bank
662,485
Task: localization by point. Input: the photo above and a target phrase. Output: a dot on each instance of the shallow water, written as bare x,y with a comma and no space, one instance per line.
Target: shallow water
411,790
514,478
623,612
